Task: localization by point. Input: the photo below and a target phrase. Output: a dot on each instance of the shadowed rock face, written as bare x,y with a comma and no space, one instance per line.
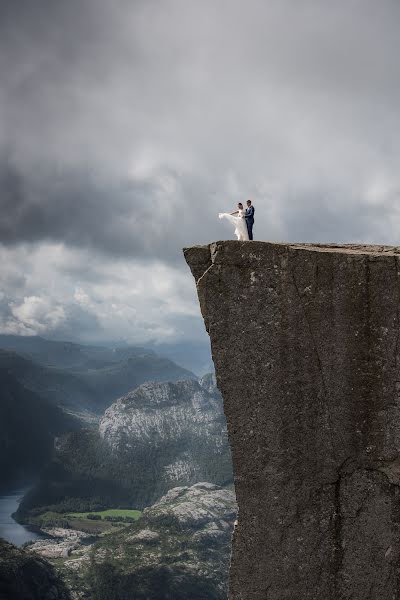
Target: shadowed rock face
24,576
305,341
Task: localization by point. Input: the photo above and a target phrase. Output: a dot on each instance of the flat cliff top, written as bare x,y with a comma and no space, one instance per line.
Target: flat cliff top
256,254
255,246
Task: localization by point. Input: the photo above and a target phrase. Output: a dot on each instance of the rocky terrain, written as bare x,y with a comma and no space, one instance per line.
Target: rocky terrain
26,576
313,413
179,549
179,425
61,542
154,438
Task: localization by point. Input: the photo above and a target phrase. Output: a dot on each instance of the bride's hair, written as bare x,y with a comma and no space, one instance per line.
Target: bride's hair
240,205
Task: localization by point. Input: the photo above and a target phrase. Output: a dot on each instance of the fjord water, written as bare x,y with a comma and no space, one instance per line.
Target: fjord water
10,530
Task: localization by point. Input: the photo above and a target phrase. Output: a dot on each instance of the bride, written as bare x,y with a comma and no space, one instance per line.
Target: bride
237,219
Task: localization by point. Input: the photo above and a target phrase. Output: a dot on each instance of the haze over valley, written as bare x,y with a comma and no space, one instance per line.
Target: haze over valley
95,435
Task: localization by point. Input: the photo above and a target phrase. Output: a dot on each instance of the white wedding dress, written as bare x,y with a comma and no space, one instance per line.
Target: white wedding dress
239,222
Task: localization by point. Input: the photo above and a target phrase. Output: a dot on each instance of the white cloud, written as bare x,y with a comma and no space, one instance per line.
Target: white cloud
38,314
90,297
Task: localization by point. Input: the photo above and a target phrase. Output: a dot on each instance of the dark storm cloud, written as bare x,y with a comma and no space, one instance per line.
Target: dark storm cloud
77,208
122,217
125,123
125,127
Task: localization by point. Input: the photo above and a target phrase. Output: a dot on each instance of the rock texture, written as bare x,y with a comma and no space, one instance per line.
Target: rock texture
24,576
61,543
305,341
172,433
179,549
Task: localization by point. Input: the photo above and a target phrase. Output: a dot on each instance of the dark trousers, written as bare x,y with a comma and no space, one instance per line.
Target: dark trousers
250,223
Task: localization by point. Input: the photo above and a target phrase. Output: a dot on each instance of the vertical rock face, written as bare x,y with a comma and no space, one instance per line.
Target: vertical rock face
305,341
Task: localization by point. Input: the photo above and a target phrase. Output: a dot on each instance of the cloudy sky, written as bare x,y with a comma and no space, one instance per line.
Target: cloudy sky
126,126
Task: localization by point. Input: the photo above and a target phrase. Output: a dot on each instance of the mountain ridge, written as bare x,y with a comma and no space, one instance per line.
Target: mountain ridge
91,389
28,425
156,437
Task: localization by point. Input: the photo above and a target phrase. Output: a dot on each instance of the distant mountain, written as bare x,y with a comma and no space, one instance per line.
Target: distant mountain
192,356
119,378
62,354
170,434
70,355
195,356
51,353
157,437
28,425
25,576
59,387
83,378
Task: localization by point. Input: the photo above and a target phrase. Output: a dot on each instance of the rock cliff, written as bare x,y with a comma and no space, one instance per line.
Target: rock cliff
25,576
305,341
172,433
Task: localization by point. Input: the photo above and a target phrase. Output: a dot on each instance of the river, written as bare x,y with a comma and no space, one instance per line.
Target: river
10,530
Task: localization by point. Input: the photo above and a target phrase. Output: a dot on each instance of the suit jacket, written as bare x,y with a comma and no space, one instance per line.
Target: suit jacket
249,214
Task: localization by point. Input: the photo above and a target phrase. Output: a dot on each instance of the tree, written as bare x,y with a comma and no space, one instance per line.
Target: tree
103,579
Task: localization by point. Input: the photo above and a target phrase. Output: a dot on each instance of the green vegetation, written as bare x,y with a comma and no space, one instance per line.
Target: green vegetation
84,477
24,575
87,476
96,523
28,425
164,555
106,582
111,512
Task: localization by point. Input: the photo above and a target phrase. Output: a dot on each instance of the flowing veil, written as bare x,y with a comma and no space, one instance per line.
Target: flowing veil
239,224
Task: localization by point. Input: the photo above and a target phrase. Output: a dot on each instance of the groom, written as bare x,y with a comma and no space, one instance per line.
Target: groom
249,216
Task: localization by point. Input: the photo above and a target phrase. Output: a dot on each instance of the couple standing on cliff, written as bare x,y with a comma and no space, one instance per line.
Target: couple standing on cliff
243,220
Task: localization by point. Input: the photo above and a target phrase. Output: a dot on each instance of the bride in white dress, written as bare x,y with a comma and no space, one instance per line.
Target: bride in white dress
237,219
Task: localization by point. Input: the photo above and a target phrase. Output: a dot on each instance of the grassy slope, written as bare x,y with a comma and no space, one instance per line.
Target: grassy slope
111,512
80,522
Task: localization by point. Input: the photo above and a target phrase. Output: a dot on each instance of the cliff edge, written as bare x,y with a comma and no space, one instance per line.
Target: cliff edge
305,341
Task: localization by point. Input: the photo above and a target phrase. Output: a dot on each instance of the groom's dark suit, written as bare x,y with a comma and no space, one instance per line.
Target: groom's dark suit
249,216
